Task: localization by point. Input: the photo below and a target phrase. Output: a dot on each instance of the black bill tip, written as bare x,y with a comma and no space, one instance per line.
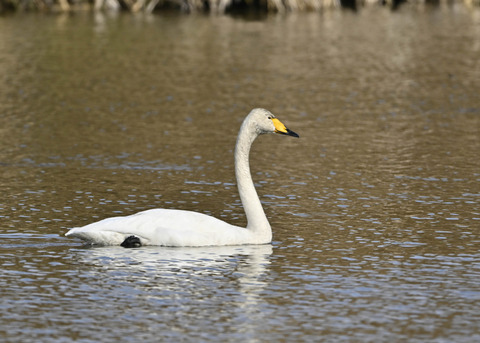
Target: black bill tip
291,133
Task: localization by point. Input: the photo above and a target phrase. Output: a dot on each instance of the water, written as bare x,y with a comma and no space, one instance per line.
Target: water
375,209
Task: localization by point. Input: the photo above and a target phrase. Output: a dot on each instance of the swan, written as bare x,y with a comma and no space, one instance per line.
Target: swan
169,227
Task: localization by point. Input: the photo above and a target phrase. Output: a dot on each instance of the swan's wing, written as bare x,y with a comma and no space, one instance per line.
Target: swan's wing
161,227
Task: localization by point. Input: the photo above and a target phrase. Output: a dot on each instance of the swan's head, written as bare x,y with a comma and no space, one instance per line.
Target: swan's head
266,122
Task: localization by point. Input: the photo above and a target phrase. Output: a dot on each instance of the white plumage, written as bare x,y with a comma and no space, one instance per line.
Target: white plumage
168,227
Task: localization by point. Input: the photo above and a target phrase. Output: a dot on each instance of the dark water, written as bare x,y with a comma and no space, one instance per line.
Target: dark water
375,209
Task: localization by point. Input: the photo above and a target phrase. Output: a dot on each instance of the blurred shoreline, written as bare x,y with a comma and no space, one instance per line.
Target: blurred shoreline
216,6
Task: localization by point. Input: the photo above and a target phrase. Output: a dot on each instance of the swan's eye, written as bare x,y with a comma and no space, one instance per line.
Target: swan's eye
270,117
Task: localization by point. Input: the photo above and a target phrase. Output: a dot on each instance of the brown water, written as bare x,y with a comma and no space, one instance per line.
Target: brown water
375,209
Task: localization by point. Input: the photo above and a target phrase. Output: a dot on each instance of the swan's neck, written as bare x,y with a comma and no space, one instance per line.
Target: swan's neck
257,220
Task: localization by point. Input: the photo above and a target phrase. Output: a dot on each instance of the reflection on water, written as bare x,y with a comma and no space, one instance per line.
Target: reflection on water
174,282
159,290
375,210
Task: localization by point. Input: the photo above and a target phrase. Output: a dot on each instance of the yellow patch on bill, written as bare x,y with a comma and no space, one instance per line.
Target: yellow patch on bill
279,125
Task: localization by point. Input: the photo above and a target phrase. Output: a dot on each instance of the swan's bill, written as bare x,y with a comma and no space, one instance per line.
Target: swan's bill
280,128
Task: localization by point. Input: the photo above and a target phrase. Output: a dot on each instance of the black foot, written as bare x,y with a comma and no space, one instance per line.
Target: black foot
131,242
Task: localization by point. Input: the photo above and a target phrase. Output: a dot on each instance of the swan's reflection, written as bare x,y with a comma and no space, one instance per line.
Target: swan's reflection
252,260
199,287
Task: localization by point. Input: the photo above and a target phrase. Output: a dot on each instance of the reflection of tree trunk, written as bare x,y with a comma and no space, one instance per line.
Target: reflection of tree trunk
151,6
125,4
138,5
64,5
98,5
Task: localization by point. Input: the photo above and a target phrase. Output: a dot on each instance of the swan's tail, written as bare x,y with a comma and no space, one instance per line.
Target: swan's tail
97,237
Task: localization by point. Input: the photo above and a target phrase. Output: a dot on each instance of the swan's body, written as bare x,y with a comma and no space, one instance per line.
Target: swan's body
186,228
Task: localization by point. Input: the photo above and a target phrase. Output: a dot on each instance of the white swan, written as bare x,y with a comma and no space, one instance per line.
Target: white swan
186,228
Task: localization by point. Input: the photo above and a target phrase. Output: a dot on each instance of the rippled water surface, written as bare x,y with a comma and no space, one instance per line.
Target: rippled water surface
375,209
